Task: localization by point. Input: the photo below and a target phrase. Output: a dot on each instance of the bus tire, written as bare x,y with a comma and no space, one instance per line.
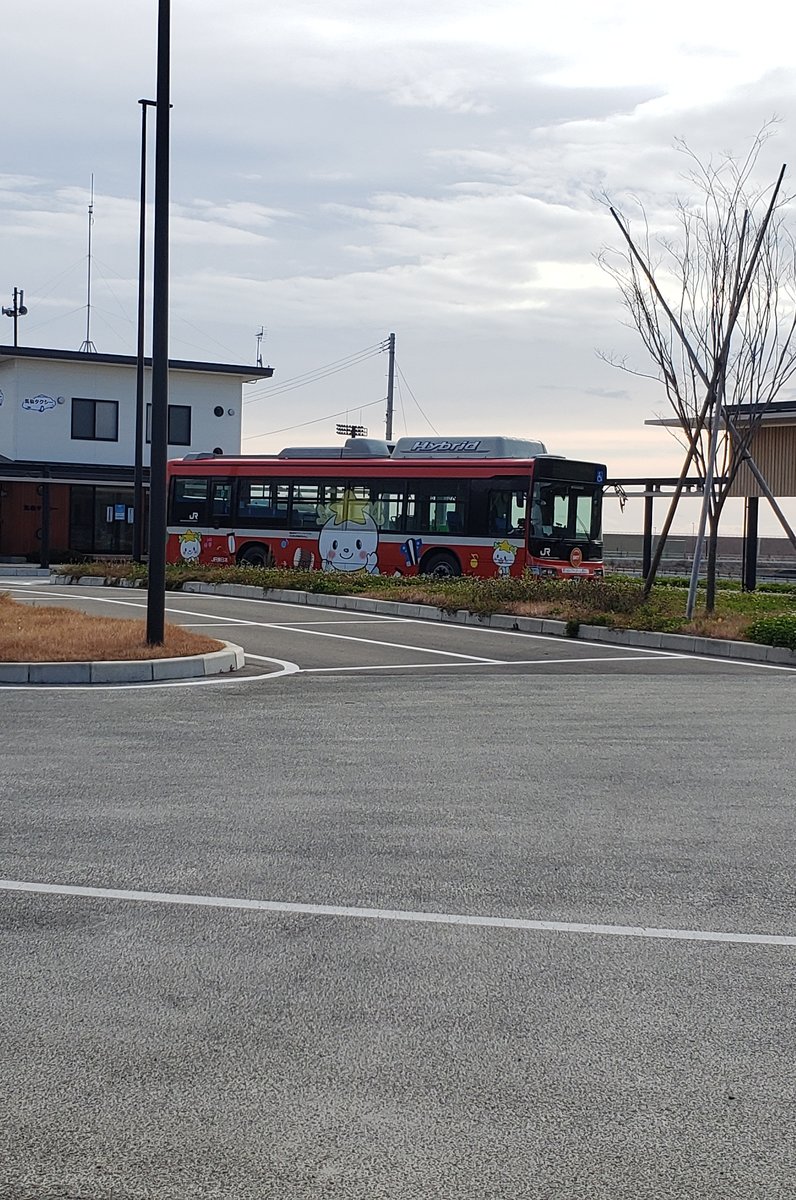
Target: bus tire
441,563
255,555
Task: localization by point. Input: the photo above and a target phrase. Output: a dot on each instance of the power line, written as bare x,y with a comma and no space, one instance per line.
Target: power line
290,385
401,402
325,375
208,337
316,421
107,283
333,368
414,397
39,292
57,317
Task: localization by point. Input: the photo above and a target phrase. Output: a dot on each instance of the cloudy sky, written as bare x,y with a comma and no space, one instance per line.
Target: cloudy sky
347,168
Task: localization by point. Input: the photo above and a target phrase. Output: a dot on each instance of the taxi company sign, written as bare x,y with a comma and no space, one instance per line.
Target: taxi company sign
41,403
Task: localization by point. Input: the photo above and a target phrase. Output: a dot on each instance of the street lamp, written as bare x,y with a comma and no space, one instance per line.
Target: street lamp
138,470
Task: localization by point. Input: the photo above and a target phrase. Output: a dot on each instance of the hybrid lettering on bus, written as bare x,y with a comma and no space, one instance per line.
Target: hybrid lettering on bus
486,506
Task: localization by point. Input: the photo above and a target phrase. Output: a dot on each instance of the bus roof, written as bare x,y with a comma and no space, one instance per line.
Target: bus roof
467,447
407,449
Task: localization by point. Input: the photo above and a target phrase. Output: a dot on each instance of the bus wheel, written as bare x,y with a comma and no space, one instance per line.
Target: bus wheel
256,555
442,564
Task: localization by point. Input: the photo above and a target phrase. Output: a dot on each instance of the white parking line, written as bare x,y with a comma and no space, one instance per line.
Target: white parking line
211,624
288,628
507,662
374,620
396,914
632,651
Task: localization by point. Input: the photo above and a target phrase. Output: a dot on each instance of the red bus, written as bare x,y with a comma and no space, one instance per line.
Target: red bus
489,506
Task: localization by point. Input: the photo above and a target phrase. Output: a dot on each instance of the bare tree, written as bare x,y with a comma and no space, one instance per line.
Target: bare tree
715,307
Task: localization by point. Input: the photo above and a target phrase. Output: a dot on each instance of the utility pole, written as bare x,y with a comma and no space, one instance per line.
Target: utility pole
16,310
390,386
156,591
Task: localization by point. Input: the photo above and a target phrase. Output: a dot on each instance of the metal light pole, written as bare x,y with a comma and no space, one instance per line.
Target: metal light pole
138,470
156,592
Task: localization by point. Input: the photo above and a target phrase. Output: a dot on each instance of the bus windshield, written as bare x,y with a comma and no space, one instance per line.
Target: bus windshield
560,509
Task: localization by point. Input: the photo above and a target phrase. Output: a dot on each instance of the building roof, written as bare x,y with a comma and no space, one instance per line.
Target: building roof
779,412
55,472
130,360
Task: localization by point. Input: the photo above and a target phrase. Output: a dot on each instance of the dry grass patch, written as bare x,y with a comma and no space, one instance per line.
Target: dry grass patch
732,626
43,633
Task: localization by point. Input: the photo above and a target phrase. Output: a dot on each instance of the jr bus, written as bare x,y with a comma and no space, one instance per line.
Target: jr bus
486,506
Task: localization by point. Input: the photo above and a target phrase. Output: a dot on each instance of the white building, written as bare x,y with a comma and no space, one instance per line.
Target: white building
67,442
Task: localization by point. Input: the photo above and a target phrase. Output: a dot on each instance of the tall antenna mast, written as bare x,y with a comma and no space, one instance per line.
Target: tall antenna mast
390,386
260,335
88,346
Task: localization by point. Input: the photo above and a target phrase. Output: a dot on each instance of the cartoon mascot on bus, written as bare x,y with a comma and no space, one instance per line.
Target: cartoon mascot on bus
349,539
190,546
503,555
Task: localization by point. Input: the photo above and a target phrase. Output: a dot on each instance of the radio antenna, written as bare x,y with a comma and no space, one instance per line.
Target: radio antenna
259,336
88,346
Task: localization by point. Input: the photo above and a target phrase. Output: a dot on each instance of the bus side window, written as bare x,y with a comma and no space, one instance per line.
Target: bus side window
519,506
254,499
499,514
437,506
507,513
189,500
387,506
280,497
305,502
220,498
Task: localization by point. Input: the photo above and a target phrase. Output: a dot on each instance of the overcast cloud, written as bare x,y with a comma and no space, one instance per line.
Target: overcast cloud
347,168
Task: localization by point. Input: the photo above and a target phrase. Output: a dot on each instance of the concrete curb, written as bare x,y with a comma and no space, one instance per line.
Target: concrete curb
8,571
637,639
142,670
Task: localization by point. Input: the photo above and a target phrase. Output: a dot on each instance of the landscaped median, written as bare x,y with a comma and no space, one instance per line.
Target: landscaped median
42,643
759,626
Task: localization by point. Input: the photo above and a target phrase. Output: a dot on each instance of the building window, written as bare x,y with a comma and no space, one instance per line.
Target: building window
101,520
179,433
95,420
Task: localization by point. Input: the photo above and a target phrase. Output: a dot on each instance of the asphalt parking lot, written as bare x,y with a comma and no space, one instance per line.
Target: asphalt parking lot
403,911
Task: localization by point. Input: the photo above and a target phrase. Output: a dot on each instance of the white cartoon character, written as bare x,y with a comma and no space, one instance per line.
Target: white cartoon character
190,545
349,539
503,556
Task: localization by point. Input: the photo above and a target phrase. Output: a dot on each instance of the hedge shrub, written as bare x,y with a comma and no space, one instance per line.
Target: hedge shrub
774,631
